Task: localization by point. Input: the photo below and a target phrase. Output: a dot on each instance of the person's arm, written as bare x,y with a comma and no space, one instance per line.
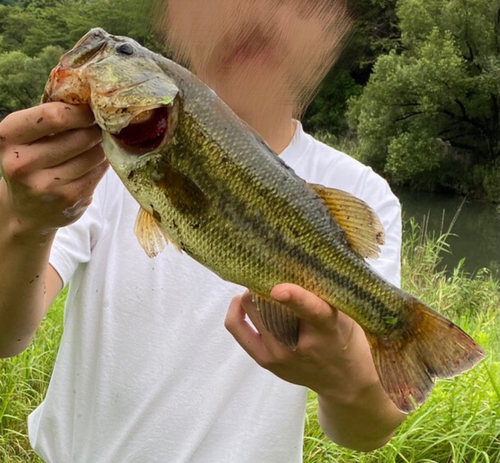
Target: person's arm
354,410
27,287
51,161
332,358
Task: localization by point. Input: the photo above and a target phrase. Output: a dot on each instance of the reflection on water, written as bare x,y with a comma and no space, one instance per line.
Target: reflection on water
477,227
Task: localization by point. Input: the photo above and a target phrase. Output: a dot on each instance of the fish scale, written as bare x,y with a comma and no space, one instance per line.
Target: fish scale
214,189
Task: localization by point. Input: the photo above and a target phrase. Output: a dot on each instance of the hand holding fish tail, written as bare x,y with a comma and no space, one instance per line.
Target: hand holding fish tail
332,358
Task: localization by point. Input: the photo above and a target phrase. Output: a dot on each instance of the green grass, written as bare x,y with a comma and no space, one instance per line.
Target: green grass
23,383
458,424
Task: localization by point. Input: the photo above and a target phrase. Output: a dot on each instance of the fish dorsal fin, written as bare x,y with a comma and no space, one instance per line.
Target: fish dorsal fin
150,234
362,227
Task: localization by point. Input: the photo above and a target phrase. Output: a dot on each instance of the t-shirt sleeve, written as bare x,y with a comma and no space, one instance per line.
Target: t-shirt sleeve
73,244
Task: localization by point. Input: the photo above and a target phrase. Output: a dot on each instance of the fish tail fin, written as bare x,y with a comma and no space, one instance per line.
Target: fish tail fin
432,347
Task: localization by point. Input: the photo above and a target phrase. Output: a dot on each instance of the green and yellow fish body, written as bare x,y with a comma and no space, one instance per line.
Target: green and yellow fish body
211,186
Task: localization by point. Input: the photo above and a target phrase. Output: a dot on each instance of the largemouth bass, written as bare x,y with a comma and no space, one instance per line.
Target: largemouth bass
208,184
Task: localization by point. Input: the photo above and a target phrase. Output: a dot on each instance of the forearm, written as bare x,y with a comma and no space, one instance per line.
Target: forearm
363,424
23,267
357,413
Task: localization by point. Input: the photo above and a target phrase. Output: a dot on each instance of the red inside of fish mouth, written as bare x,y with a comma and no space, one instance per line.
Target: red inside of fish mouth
145,132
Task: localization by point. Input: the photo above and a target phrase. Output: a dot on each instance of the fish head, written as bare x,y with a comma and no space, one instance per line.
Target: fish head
133,100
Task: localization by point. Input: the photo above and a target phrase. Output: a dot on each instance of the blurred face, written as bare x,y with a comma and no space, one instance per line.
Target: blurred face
260,49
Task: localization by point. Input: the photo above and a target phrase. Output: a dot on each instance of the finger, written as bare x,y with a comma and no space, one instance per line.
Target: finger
305,305
76,167
85,185
32,124
59,148
52,151
245,335
78,194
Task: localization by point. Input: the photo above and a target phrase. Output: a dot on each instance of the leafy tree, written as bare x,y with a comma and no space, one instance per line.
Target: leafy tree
132,18
23,78
430,109
12,2
33,37
63,23
374,32
327,111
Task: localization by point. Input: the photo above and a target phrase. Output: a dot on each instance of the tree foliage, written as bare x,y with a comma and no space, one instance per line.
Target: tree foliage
62,23
34,34
429,112
374,32
422,76
23,77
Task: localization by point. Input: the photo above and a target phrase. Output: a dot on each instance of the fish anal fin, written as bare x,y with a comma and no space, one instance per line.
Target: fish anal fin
435,348
363,229
279,320
150,234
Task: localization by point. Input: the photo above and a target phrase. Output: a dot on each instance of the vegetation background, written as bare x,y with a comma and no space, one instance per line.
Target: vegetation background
416,96
415,93
459,423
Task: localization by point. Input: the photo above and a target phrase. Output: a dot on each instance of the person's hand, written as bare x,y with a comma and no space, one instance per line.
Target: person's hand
332,356
51,160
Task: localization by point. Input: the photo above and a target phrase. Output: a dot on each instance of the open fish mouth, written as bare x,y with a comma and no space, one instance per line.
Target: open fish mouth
146,131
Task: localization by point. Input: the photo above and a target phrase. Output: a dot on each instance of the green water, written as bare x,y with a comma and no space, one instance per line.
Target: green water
477,227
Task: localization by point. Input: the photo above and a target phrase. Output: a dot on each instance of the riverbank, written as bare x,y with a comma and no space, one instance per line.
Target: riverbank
473,224
459,422
473,227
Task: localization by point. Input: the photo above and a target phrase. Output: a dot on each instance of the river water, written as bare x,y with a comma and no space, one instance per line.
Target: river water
477,227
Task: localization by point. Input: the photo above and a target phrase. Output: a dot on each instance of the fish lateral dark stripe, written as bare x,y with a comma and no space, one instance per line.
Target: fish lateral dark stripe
256,226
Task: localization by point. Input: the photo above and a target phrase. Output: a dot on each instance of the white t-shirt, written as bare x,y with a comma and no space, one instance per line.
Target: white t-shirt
146,371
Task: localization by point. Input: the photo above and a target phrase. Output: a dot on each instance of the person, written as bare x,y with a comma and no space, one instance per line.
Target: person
160,360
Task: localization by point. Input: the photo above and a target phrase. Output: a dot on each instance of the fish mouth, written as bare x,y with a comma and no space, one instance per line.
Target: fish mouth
146,132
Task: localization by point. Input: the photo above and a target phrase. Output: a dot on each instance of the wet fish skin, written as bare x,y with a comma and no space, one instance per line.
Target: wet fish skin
218,192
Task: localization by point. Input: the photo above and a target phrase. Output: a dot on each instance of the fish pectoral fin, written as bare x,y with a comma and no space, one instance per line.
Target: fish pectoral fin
182,192
150,234
363,229
278,319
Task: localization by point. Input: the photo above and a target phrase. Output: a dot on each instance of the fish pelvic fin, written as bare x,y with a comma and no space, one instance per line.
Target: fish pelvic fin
362,227
432,348
150,234
278,319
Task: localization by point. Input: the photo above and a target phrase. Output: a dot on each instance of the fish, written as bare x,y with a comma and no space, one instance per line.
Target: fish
209,185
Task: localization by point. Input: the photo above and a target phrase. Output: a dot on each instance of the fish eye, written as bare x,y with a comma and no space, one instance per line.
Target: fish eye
125,49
